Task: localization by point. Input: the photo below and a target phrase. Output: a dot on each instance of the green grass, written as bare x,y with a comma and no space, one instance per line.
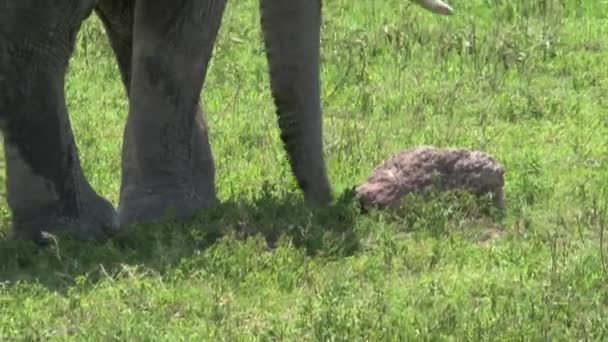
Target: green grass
525,81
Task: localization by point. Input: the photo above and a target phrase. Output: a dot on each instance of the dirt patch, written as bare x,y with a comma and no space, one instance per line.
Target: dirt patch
421,169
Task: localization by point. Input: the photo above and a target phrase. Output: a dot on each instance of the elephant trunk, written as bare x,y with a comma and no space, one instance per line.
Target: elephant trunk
435,6
292,39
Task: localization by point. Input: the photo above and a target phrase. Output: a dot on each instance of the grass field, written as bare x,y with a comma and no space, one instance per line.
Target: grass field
525,81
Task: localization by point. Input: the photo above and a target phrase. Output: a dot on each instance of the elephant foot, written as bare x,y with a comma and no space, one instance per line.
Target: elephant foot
155,206
95,220
174,188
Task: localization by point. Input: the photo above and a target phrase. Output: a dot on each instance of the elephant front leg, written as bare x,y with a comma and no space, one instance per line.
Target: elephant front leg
167,163
292,36
47,190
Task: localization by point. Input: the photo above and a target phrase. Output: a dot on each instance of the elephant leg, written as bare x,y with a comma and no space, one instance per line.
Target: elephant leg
117,17
167,164
292,37
46,188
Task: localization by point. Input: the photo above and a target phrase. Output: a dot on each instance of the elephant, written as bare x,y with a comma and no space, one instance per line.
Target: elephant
162,49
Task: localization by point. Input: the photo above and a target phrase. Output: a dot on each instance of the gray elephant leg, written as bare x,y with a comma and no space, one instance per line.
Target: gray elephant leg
47,190
292,37
167,165
117,17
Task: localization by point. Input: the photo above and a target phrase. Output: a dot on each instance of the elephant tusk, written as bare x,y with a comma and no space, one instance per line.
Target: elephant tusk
435,6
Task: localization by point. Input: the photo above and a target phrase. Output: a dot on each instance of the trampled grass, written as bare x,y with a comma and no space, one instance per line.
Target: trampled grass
525,81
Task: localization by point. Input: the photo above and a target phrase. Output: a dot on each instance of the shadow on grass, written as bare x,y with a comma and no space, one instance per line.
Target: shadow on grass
161,247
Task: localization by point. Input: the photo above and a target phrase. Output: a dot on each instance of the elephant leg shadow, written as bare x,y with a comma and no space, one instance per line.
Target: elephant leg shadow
162,247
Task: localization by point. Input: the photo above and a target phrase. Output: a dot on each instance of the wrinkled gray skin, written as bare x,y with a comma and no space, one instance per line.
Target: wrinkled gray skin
163,49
